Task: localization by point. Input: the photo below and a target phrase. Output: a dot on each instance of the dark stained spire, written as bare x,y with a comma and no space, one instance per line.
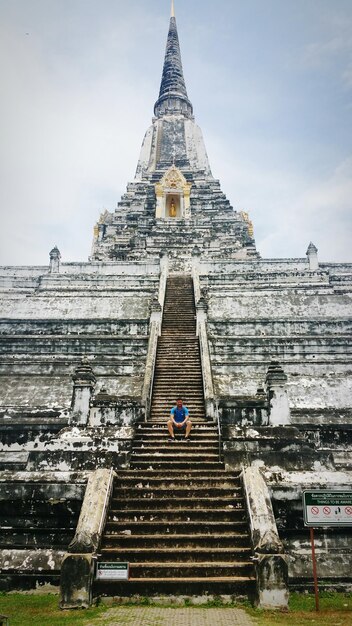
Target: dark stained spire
173,98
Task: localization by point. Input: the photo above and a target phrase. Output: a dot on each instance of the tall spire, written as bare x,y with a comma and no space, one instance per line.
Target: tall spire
173,98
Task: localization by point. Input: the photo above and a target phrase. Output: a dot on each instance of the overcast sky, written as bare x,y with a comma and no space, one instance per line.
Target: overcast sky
271,86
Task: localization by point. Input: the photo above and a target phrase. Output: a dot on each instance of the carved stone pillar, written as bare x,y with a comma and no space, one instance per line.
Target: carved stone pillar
77,570
55,258
83,387
312,254
271,563
279,409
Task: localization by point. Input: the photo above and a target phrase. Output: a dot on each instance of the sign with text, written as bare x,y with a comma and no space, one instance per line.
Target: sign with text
112,571
327,508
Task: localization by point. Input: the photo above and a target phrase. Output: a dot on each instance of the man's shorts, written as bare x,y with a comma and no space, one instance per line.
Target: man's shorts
176,428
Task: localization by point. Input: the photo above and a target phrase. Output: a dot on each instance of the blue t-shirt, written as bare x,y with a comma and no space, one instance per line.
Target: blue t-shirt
179,415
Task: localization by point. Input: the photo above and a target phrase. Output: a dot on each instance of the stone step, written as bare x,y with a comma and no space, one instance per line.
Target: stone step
170,322
182,494
185,326
198,433
206,437
191,474
184,586
167,373
23,539
184,448
211,485
168,396
170,381
182,445
158,426
176,555
168,454
173,363
169,516
177,540
181,499
159,419
186,339
167,388
164,527
163,442
161,433
178,349
174,333
178,374
164,408
176,464
195,478
198,420
186,323
166,570
164,389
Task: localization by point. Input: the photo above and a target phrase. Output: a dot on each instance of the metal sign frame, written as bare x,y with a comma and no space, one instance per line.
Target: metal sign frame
112,570
323,508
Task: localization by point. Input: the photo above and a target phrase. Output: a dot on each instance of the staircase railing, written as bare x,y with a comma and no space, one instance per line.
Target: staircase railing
217,415
156,317
202,335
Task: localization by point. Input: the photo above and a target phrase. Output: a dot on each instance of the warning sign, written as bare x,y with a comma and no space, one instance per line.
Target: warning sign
327,508
112,571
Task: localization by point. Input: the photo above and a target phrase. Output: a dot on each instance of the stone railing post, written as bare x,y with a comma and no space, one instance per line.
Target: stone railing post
312,254
77,570
270,560
55,259
279,408
83,387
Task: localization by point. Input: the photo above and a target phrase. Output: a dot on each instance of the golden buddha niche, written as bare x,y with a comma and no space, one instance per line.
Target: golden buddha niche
172,210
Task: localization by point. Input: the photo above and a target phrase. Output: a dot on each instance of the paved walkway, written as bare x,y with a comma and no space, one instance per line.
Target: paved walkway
155,616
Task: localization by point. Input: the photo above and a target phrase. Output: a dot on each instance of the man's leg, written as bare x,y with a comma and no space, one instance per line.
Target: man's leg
170,428
188,428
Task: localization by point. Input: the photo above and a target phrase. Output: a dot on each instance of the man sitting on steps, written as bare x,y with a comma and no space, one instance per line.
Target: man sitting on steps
179,420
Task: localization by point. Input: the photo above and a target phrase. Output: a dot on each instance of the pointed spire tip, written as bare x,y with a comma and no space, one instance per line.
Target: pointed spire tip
172,8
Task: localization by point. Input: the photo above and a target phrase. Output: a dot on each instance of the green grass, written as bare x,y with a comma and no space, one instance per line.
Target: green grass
335,610
42,610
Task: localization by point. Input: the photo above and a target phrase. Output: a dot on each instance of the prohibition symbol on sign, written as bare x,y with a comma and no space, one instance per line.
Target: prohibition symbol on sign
315,510
348,510
326,510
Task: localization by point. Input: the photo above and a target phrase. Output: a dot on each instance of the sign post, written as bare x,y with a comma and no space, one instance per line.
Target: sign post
315,575
324,508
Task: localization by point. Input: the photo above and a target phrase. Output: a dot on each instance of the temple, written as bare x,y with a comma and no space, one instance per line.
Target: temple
175,300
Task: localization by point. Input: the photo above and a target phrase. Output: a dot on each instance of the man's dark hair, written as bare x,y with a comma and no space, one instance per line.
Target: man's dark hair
177,399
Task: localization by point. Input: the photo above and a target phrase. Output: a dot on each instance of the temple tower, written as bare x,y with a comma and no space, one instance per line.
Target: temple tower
174,201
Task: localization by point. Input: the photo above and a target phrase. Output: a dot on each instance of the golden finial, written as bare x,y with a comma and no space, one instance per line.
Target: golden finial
172,8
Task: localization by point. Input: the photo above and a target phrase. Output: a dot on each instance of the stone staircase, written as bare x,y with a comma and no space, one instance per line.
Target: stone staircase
176,515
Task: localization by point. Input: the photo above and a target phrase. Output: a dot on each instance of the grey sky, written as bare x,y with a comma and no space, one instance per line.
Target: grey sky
270,82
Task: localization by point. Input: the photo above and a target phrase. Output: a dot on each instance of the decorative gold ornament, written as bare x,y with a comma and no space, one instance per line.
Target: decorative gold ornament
172,211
